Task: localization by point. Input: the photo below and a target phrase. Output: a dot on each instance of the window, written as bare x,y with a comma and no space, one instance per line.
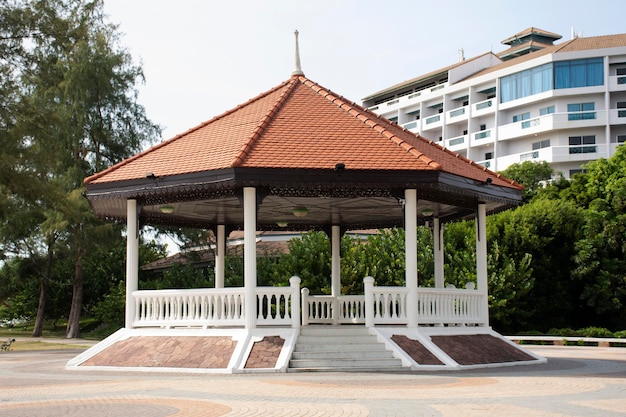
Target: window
621,105
541,144
580,144
546,110
525,83
621,138
581,111
579,73
621,71
483,127
520,117
489,155
573,172
393,119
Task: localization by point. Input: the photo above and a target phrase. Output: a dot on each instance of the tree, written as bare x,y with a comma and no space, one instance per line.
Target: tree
532,175
601,252
77,114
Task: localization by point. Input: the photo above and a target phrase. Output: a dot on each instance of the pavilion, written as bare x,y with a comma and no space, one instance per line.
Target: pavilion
299,157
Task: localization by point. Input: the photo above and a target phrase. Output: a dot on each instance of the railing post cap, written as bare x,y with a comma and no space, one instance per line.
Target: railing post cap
294,280
305,291
368,280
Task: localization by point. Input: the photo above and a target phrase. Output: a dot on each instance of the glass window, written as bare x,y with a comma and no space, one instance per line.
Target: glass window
520,117
579,73
581,111
542,144
525,83
546,110
576,144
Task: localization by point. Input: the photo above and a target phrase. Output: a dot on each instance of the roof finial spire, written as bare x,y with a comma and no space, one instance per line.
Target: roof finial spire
298,70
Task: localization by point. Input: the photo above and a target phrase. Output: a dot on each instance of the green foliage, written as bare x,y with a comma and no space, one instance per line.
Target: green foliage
532,175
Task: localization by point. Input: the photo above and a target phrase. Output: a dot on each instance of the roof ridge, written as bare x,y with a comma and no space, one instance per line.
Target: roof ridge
366,117
258,131
180,135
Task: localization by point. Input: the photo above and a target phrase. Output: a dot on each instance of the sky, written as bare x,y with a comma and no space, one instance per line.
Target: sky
203,57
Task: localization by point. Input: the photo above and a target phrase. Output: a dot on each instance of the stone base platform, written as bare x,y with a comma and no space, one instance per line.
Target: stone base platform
269,349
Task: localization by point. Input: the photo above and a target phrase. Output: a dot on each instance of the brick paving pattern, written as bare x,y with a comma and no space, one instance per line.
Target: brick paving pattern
479,349
576,381
265,353
416,350
211,352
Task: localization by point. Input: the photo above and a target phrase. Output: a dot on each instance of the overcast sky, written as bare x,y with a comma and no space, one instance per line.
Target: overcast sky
202,58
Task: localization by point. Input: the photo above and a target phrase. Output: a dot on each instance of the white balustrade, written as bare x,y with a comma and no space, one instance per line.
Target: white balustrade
326,309
450,306
390,305
212,307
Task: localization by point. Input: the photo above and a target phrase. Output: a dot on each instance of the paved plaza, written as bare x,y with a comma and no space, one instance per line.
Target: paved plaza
576,381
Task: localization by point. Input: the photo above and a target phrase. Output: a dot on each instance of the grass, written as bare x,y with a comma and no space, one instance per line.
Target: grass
90,330
31,345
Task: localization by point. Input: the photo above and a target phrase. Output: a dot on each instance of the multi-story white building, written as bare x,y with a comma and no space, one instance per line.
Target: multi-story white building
562,103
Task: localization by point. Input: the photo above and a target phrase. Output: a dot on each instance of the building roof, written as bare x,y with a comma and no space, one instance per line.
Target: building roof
296,140
531,32
438,73
541,49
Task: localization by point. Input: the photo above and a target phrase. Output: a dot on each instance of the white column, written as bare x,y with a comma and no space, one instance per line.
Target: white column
438,255
249,256
368,286
410,236
481,259
294,283
335,276
220,256
132,260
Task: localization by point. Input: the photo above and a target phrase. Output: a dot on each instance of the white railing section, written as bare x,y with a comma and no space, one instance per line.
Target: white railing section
216,307
449,306
196,307
274,306
326,309
389,305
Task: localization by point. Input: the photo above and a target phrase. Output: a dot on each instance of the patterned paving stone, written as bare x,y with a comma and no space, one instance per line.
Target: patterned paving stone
576,381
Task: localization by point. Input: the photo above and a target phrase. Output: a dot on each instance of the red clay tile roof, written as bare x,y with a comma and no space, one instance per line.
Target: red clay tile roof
300,125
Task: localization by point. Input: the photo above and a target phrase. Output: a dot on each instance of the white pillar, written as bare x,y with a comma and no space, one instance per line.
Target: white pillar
294,283
132,260
249,253
368,285
481,259
410,242
438,254
220,256
335,276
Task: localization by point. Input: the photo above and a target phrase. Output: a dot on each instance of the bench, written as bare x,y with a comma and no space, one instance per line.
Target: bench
6,346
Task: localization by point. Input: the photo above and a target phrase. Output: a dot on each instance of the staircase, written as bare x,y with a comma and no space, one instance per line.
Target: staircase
340,348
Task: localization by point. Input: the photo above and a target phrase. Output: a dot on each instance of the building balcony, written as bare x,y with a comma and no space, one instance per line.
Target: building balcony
617,116
560,154
456,143
487,163
484,107
432,122
457,115
617,83
482,137
555,121
413,126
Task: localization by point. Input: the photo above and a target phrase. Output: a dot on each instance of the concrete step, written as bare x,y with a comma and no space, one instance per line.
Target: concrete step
343,364
328,354
336,339
340,348
334,330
